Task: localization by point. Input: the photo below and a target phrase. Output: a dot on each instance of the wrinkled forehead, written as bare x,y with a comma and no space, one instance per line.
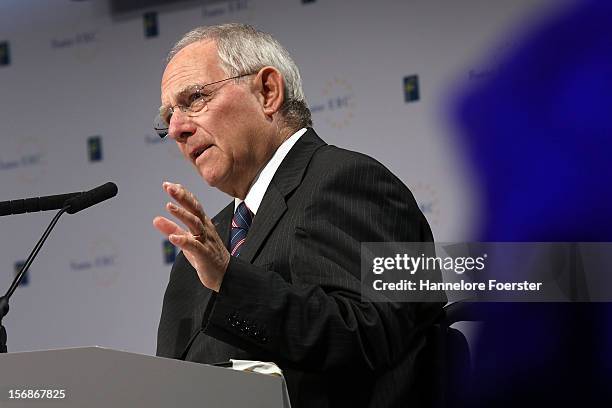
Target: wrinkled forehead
196,64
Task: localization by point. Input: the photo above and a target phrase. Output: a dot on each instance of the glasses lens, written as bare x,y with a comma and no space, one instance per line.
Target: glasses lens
161,126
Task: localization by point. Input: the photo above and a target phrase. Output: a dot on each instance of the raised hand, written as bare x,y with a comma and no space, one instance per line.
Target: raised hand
199,240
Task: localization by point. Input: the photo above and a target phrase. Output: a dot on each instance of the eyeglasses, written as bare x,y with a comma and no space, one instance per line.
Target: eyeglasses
194,98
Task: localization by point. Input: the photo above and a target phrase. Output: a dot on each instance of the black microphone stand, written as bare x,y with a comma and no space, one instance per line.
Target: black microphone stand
4,300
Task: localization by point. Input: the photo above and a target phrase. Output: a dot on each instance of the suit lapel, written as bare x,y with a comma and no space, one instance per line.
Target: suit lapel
285,180
271,209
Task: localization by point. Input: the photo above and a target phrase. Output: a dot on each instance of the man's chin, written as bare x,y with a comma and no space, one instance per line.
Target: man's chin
212,178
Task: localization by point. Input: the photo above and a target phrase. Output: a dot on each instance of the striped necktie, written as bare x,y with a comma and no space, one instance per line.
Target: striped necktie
243,217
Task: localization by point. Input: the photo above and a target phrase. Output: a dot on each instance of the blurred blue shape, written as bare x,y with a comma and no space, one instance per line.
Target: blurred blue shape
539,135
539,132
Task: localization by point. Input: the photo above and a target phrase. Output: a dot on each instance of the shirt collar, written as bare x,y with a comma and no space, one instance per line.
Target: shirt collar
264,177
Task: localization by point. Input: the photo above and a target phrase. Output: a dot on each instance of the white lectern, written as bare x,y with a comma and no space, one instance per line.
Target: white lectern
95,377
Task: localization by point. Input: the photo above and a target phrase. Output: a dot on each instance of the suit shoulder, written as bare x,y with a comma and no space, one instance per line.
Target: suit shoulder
348,187
331,159
340,155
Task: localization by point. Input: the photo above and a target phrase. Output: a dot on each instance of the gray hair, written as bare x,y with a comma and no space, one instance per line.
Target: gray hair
243,49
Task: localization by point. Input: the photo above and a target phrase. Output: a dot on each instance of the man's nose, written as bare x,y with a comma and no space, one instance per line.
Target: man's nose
181,126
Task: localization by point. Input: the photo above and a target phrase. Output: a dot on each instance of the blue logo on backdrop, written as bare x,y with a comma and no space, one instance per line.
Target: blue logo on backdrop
94,148
169,252
5,55
26,278
411,88
151,27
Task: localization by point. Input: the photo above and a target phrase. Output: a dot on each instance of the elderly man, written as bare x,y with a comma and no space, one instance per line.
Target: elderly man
275,276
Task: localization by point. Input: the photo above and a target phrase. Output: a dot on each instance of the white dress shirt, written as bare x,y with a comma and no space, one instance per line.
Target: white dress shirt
263,179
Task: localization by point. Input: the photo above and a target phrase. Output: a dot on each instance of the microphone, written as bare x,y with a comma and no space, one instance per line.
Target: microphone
91,198
75,203
35,204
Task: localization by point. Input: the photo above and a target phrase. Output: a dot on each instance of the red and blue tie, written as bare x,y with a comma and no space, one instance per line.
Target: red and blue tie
243,217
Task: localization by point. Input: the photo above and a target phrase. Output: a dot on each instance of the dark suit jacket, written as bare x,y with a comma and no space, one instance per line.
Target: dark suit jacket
293,296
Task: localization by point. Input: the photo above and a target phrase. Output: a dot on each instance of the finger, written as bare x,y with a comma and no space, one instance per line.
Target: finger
209,224
167,227
185,198
193,223
186,243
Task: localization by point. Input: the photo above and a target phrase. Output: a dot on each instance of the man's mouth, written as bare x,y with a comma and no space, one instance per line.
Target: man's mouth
195,153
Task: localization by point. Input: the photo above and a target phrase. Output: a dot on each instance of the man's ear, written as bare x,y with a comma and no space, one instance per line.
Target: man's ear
271,89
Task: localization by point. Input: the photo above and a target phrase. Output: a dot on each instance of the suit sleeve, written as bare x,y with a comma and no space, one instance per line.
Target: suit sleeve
318,321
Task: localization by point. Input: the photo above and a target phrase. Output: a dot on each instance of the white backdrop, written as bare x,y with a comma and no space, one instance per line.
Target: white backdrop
76,73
